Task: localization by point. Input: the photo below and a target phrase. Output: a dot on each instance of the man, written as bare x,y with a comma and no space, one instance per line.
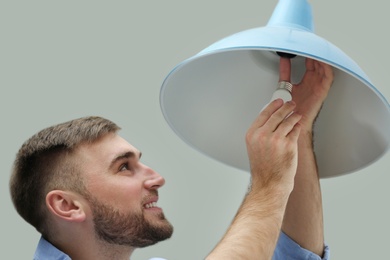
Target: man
84,188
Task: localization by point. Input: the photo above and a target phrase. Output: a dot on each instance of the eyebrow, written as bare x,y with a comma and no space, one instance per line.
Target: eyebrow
125,155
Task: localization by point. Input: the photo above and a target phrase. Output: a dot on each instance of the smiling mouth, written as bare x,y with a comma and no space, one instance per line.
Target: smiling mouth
150,205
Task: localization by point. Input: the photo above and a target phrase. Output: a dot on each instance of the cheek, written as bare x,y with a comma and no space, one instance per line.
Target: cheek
120,193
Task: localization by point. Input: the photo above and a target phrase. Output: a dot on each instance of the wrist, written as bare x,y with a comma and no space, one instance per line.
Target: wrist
277,181
306,137
271,193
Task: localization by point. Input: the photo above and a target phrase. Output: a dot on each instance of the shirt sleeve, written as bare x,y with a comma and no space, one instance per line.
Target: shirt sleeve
288,249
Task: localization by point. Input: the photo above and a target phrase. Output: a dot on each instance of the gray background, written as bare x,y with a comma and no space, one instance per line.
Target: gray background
66,59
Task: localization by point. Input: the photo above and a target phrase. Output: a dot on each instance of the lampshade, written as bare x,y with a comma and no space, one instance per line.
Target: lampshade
211,99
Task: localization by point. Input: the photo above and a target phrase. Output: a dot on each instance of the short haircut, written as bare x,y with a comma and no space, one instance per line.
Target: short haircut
45,163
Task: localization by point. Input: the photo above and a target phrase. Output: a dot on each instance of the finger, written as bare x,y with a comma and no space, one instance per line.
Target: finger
324,71
284,69
267,112
314,71
318,67
309,63
328,72
294,133
288,124
279,116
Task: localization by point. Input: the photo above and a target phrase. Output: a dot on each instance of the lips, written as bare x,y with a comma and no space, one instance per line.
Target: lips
150,205
151,202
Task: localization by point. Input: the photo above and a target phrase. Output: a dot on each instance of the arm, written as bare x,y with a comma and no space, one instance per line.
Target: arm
303,221
272,150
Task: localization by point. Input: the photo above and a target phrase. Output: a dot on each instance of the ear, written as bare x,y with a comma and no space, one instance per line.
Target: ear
66,205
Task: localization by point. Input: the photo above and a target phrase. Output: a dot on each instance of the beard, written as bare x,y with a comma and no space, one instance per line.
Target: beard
128,229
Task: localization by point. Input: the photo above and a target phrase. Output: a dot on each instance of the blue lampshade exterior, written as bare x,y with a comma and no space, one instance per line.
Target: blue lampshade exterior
211,99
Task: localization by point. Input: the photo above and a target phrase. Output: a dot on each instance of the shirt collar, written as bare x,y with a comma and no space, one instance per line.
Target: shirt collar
45,250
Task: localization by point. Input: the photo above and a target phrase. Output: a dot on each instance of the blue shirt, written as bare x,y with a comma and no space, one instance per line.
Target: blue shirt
46,251
286,249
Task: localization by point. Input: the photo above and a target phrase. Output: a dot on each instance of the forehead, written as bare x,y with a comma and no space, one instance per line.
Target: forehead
102,151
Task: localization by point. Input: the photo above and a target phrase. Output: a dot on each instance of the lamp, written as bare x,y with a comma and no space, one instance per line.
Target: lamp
211,99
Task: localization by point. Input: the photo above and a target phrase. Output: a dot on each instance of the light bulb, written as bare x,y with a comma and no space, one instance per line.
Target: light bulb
283,91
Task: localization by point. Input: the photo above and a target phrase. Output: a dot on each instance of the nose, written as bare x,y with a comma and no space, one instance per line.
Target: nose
153,179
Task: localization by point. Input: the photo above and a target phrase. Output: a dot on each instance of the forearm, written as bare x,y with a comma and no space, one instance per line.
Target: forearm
303,220
255,229
272,151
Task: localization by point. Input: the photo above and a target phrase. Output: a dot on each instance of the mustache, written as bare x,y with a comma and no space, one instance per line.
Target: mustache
151,195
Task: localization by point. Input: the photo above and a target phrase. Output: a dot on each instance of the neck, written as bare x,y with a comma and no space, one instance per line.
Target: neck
108,251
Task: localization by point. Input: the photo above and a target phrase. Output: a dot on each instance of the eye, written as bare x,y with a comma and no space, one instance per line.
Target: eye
124,167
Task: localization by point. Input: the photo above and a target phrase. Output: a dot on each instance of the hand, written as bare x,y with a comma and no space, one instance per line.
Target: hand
311,92
272,146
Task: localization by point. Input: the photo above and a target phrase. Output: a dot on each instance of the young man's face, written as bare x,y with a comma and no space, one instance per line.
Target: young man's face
122,193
